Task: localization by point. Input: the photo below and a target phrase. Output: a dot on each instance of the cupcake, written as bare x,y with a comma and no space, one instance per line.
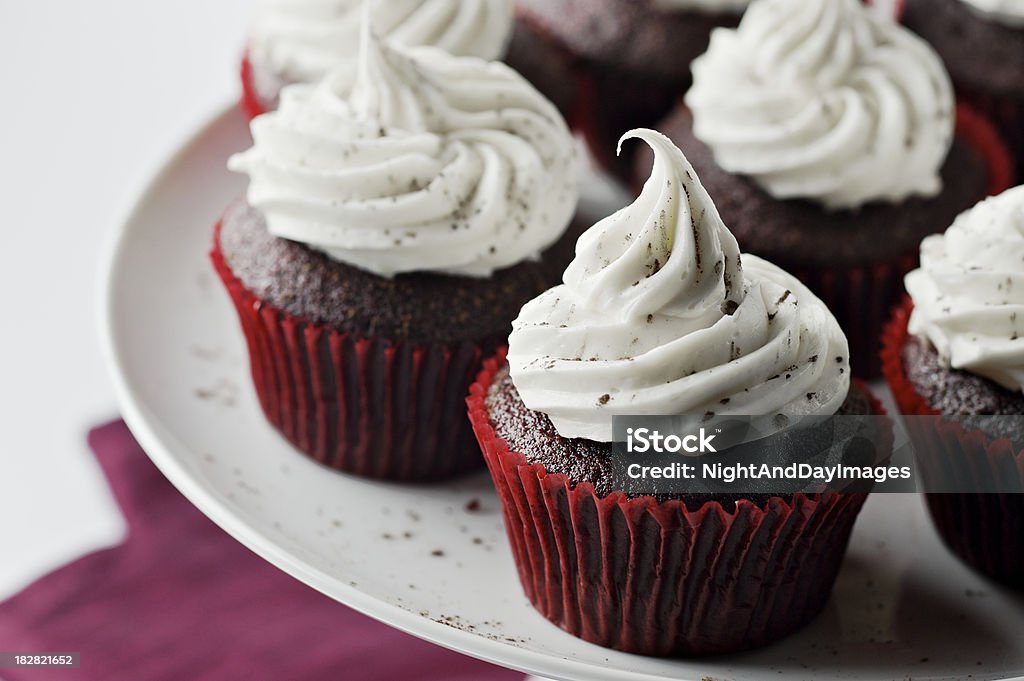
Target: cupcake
398,215
982,44
631,58
660,314
955,351
832,142
300,41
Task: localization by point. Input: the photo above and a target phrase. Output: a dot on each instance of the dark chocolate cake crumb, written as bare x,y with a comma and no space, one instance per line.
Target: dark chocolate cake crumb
979,53
795,233
963,394
628,34
955,392
417,307
532,433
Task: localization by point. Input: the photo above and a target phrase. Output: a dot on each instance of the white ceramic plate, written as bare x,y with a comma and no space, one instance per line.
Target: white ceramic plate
416,557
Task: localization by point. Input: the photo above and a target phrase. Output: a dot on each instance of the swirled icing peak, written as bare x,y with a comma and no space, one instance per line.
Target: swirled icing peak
825,100
415,161
659,315
1006,12
301,40
969,291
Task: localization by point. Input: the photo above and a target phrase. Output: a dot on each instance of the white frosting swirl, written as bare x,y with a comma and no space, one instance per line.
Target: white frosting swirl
301,40
1007,12
658,316
825,100
419,161
969,292
704,6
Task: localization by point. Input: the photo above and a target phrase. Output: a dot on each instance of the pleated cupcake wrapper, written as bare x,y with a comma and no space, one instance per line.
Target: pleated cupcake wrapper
1007,114
614,101
251,104
985,530
559,66
659,578
609,101
862,296
373,407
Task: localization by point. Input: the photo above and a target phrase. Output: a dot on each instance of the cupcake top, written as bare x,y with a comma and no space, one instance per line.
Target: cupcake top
415,161
706,6
969,291
825,100
660,315
301,40
1007,12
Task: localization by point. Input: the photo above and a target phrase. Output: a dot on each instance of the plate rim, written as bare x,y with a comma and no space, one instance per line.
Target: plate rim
164,449
159,446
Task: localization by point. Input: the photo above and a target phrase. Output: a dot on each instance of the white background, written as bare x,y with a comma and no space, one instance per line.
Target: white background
94,96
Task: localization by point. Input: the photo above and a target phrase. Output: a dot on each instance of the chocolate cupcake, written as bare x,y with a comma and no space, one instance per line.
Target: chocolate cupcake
630,59
398,215
300,42
954,352
982,44
661,314
820,126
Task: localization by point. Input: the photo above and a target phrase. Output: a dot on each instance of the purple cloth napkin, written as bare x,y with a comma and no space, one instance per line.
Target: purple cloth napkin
181,600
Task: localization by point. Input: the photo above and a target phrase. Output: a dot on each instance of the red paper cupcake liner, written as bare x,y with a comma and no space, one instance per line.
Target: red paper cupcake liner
986,531
862,296
1007,114
558,82
373,407
660,578
978,130
612,102
609,101
546,63
251,103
